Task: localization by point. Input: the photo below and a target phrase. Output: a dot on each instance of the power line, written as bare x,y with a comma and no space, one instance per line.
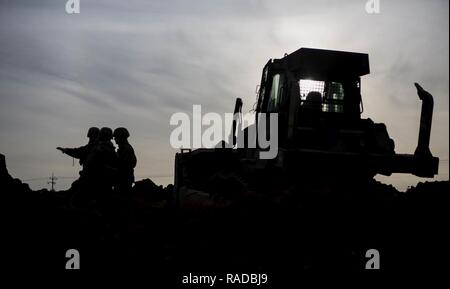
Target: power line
46,178
73,178
155,176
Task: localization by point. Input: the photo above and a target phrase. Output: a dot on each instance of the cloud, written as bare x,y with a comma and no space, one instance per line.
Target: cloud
134,63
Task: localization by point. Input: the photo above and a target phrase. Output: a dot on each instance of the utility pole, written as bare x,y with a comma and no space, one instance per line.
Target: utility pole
52,182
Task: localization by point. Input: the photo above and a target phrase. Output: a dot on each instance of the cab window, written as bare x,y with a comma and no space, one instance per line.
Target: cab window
275,93
326,96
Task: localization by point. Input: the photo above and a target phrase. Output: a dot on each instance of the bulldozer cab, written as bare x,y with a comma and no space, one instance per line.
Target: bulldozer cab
310,86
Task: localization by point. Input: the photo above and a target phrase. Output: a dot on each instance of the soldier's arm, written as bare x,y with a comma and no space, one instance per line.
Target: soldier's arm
74,152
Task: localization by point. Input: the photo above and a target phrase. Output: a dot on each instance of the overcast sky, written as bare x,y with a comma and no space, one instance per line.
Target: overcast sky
135,63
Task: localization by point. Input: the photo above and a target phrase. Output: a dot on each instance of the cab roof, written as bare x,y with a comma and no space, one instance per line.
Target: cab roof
320,63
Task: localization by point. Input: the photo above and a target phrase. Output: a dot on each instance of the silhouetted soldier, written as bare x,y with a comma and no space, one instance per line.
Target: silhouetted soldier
102,161
82,152
99,170
126,160
78,190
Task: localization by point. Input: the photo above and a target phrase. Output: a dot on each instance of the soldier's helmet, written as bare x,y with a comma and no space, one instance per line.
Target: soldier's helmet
106,134
93,132
121,133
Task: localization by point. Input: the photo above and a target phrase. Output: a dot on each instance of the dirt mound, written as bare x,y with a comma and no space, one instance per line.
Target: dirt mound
11,186
315,229
430,189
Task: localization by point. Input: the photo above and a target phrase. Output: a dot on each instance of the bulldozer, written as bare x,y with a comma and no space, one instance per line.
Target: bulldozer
322,138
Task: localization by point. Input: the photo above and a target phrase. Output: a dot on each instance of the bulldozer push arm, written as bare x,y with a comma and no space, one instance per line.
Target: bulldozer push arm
426,117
